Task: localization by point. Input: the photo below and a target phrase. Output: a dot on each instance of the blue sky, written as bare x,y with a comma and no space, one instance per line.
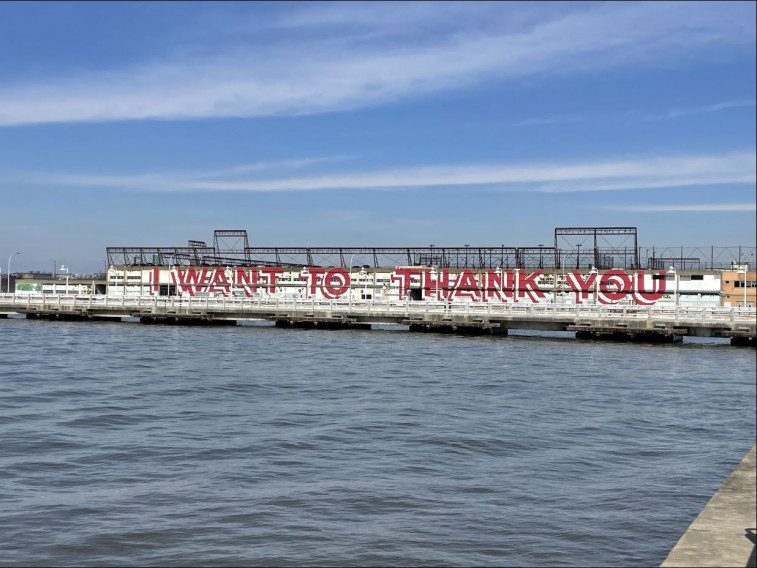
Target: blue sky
372,124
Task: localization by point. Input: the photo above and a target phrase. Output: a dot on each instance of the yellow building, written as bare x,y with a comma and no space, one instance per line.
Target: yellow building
738,288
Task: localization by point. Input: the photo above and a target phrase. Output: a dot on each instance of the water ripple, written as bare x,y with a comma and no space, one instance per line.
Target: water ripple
128,444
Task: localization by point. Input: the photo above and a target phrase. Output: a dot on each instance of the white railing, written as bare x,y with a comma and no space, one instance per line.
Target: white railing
160,305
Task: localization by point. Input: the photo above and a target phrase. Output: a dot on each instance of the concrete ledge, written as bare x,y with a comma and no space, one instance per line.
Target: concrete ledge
724,532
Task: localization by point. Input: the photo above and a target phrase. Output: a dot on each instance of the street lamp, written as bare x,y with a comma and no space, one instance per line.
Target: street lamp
562,265
363,274
171,262
352,257
64,268
739,271
9,270
433,275
306,273
595,272
672,271
578,257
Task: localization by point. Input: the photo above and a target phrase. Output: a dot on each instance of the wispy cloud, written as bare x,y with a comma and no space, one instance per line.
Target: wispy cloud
677,112
627,174
700,208
309,73
236,171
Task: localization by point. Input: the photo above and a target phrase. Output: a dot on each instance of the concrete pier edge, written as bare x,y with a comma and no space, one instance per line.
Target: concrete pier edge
723,534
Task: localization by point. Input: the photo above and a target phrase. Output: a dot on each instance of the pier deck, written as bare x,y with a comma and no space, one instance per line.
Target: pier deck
595,321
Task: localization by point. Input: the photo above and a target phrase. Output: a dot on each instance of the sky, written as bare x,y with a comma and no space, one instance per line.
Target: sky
372,124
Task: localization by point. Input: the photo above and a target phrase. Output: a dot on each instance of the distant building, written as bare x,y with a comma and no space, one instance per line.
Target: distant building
739,287
45,284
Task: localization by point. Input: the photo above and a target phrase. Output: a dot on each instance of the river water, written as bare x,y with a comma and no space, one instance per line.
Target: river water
131,444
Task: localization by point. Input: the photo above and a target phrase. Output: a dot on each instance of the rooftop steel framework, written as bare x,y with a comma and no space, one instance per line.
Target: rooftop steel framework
574,247
603,247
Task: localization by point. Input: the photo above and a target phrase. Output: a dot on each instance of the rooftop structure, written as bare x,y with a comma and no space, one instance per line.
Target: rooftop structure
573,247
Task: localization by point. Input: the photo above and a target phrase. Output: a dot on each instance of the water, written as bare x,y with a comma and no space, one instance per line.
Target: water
130,444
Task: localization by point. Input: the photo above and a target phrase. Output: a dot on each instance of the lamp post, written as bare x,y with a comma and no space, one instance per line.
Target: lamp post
9,270
578,257
672,271
744,270
352,257
433,275
64,268
498,272
541,264
171,262
306,273
595,272
562,265
363,273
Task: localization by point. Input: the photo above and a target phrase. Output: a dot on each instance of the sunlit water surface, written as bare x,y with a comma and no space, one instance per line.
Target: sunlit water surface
131,444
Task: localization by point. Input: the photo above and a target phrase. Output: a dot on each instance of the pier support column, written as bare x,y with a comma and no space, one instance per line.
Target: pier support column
461,329
628,336
299,324
743,342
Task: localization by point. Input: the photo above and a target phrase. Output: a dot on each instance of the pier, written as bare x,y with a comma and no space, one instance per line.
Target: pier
659,323
723,534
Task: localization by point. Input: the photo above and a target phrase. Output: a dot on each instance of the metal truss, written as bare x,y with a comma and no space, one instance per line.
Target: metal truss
231,244
692,258
390,257
575,247
603,247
